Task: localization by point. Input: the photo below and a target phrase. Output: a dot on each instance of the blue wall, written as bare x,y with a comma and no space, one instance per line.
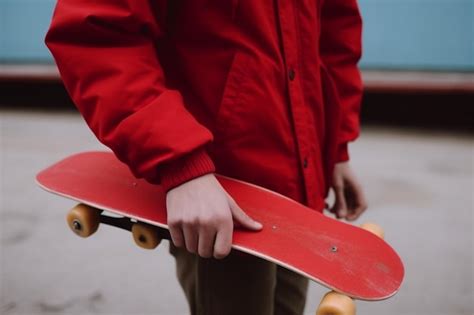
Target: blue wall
398,34
426,34
23,24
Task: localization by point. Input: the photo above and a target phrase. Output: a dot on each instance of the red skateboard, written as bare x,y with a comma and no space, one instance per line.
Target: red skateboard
340,256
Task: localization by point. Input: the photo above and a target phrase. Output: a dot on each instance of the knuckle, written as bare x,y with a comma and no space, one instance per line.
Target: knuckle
214,222
206,221
218,221
223,218
190,221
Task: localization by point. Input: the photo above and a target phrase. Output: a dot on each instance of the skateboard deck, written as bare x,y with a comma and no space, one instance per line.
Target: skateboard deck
340,256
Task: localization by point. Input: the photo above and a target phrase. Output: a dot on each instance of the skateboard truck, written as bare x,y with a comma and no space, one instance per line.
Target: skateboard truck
84,221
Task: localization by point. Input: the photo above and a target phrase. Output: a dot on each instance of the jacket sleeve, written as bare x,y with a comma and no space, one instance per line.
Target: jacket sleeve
340,48
105,52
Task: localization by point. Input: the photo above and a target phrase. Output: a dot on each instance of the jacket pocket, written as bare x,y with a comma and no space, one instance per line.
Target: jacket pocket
228,119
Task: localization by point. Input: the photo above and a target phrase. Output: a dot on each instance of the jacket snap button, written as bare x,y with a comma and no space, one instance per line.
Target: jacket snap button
305,162
291,74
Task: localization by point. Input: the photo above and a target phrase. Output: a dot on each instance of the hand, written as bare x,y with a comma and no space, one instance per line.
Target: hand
201,217
350,200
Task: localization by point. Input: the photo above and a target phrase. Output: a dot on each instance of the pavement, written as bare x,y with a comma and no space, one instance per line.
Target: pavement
419,185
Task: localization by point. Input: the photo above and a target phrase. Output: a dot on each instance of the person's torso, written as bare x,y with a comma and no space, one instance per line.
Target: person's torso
250,72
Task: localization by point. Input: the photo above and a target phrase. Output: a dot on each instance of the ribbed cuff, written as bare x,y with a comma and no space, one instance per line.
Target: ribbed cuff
342,154
188,167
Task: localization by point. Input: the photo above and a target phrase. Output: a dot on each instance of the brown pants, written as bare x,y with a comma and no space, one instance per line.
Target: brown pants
239,284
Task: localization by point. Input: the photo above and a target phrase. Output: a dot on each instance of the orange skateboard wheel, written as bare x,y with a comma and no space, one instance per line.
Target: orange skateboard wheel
145,235
83,220
334,303
374,228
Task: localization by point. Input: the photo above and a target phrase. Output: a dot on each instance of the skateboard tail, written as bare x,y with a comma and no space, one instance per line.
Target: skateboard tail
380,297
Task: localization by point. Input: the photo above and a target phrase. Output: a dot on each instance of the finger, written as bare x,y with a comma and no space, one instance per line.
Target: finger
206,242
190,239
359,201
177,236
223,243
241,218
340,205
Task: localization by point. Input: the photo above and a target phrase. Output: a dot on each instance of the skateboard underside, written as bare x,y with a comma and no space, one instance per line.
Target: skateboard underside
339,256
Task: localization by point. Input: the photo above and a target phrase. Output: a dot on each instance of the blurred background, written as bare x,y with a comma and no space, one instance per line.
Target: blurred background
414,157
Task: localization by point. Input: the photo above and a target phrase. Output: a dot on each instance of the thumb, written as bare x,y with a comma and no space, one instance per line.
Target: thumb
241,218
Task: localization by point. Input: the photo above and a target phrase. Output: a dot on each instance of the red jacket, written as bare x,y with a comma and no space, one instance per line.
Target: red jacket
265,91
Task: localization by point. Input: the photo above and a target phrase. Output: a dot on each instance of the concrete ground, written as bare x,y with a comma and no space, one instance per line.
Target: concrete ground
419,184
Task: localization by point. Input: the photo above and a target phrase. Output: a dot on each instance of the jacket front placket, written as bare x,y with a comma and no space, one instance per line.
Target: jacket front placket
304,133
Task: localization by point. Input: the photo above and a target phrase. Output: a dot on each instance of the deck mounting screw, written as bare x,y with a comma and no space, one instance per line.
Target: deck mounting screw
334,249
